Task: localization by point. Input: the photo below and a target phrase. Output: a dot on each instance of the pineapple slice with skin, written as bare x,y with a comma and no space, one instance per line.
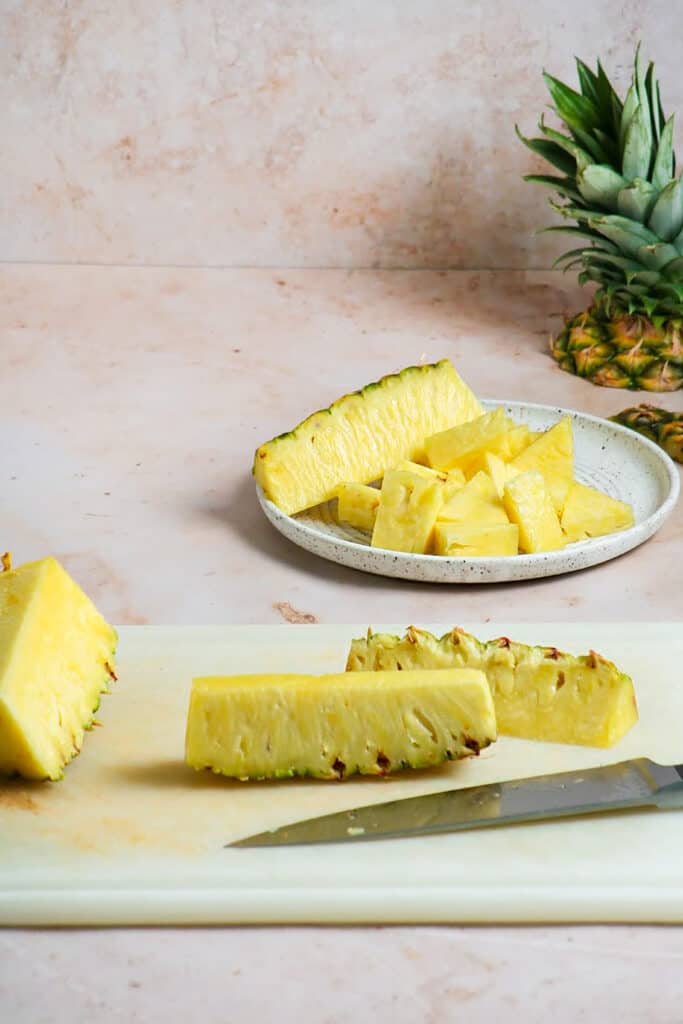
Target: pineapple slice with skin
334,726
528,504
499,471
361,434
357,505
462,445
476,541
56,658
552,454
540,693
477,502
408,507
590,513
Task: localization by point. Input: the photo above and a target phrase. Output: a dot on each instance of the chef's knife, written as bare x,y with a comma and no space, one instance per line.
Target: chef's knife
636,783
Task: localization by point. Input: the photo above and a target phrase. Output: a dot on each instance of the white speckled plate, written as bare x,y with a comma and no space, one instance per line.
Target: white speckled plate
610,457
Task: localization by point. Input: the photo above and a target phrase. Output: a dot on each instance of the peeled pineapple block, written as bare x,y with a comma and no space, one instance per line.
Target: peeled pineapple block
333,726
451,480
477,502
528,504
494,467
408,507
590,513
460,446
56,658
540,693
552,455
357,505
362,434
476,541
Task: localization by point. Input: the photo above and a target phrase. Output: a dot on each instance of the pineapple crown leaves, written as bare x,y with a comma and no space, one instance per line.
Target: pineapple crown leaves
617,184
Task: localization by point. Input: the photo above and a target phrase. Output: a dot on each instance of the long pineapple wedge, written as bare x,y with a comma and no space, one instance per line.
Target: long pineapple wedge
540,693
330,727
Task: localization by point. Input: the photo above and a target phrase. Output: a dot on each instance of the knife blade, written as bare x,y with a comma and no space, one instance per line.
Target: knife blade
635,783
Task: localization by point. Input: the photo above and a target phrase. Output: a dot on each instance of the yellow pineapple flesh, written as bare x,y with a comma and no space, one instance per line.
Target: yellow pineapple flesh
357,505
462,445
540,693
334,726
517,439
476,502
56,658
476,541
590,513
451,480
499,471
551,454
408,507
528,504
362,434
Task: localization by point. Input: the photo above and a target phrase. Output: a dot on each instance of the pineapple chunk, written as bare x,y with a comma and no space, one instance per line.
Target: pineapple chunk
330,727
451,480
462,445
361,434
357,505
528,504
517,439
499,471
407,512
56,658
480,540
552,454
540,693
590,513
476,502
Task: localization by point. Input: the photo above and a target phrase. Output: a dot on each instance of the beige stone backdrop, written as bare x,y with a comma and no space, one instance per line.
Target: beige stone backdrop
351,133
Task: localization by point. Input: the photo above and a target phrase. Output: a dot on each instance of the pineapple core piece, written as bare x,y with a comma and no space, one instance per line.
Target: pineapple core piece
540,693
56,658
462,445
551,454
478,541
528,504
361,434
590,513
476,503
330,727
357,505
408,507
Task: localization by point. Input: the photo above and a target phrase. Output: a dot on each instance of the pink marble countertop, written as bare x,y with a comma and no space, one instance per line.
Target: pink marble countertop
133,399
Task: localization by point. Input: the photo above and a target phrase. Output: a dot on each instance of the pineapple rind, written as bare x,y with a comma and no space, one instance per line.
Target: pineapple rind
540,693
362,434
330,727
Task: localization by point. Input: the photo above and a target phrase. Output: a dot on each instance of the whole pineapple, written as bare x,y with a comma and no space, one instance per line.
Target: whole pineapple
617,183
659,425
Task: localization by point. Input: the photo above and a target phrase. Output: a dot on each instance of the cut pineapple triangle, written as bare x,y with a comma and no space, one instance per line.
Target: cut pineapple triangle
552,454
482,540
357,505
528,504
406,516
460,446
477,502
56,658
590,513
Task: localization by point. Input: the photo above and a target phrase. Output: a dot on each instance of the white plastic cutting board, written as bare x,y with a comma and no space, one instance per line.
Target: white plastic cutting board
131,836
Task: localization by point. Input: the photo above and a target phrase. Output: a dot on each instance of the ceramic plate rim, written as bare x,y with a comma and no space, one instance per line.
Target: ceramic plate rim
526,566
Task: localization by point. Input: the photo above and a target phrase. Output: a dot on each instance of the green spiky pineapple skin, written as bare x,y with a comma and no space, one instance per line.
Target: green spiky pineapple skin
659,425
618,187
527,683
625,351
